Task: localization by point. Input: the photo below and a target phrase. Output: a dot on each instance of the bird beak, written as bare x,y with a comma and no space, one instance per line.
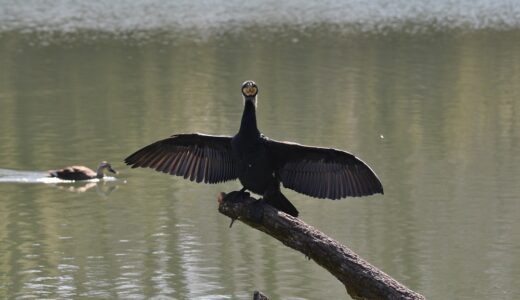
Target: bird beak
250,91
112,170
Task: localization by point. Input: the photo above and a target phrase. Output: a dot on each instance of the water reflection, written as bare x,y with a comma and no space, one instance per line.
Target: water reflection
102,187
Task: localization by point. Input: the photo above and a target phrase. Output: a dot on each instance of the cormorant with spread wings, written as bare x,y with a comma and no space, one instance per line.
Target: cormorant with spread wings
260,163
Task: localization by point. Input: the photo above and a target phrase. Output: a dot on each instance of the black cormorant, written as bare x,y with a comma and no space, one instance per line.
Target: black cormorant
259,162
81,172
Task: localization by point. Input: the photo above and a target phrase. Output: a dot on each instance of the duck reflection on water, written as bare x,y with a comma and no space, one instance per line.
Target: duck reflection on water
103,188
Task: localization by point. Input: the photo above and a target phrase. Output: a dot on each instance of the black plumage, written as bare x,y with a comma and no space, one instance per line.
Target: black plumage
197,157
260,163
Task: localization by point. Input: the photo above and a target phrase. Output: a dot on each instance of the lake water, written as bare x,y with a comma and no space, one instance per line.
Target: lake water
427,94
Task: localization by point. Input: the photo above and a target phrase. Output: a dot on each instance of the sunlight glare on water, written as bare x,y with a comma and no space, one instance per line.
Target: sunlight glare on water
218,16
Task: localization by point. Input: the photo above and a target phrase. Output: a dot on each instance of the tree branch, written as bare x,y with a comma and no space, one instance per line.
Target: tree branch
259,296
361,279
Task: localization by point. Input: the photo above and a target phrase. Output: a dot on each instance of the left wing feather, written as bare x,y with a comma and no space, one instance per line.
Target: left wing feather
197,157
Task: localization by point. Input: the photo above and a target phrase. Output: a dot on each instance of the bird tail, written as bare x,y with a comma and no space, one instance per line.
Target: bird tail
280,202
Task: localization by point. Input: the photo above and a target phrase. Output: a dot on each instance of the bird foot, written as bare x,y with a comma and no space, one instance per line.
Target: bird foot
255,212
236,196
255,209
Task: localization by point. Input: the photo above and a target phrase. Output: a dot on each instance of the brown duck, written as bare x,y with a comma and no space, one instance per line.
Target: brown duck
82,172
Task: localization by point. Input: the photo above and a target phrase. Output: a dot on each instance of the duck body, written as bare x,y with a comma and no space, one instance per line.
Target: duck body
259,163
78,173
74,173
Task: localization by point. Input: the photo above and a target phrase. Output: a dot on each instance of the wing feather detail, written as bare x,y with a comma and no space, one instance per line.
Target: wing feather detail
322,172
197,157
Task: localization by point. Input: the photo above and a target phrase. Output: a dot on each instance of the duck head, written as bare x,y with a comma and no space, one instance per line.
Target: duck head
105,166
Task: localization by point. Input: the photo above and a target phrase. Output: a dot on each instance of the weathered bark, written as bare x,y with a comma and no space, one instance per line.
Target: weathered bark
362,280
259,296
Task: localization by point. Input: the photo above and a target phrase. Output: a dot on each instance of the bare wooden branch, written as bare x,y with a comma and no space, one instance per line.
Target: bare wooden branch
259,296
361,279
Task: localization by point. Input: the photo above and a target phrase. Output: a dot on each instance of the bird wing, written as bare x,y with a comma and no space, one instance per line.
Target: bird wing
197,157
322,172
74,173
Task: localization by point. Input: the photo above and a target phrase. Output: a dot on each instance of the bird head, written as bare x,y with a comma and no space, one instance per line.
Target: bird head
106,165
249,91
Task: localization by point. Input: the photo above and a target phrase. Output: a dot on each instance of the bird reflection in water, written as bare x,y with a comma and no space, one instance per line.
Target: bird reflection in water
103,188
